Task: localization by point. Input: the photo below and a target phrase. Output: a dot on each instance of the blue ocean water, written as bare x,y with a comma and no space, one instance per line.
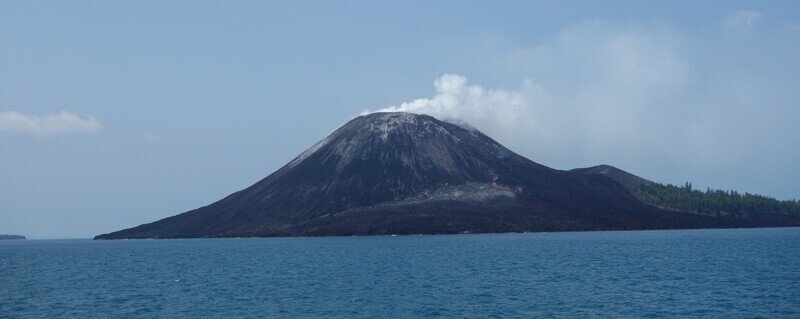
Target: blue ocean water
688,273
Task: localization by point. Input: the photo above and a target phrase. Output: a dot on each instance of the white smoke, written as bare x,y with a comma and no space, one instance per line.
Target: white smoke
455,99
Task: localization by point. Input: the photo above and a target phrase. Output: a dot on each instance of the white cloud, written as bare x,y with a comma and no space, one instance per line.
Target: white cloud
152,138
51,124
742,19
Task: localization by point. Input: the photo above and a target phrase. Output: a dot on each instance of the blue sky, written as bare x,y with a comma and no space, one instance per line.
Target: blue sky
114,114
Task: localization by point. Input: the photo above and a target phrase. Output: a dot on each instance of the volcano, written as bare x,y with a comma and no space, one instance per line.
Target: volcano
403,173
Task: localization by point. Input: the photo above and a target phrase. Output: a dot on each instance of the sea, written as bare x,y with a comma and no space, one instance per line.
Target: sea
733,273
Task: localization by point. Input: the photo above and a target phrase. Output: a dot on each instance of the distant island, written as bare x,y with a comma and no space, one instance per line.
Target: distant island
403,173
11,237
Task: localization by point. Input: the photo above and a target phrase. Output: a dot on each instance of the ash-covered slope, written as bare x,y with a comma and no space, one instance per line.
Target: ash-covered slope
402,173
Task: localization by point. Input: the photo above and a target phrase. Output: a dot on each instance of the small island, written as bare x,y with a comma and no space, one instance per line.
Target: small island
397,173
11,237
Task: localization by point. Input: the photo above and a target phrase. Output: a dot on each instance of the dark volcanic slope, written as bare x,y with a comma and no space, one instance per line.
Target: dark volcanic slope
401,173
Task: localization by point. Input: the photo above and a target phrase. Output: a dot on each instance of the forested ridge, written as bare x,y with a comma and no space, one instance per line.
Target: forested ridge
713,202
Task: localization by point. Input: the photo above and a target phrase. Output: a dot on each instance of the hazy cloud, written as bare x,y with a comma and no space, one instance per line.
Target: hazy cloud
594,87
742,19
51,124
152,138
634,96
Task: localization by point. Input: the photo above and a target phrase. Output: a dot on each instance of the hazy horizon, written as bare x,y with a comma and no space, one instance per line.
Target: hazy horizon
115,114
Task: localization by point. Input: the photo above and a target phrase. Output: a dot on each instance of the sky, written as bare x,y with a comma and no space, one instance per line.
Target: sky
118,113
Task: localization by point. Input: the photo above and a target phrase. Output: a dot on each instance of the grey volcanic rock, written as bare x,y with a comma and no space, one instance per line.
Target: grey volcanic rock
402,173
628,180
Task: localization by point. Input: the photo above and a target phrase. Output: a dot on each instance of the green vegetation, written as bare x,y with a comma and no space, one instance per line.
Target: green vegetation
713,202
